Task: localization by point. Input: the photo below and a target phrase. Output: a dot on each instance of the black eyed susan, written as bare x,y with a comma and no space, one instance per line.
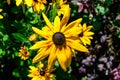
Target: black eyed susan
85,34
36,4
23,53
59,43
1,17
38,73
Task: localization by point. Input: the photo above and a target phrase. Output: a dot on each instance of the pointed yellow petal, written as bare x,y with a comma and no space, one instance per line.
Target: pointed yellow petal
83,40
66,16
40,32
41,44
88,33
68,53
89,28
52,57
47,21
18,2
28,2
71,25
57,24
75,45
84,26
62,59
43,53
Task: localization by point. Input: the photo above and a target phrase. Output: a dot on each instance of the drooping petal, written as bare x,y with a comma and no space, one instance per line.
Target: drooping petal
57,24
52,57
71,25
75,45
68,54
41,44
40,32
66,15
43,53
49,24
62,59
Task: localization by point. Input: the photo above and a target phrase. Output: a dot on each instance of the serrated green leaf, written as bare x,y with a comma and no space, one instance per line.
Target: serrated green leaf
19,37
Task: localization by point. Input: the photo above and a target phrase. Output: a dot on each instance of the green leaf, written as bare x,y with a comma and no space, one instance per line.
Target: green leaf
119,36
5,37
19,37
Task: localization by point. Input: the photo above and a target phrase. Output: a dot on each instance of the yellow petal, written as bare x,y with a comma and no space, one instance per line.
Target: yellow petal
75,45
1,17
66,16
43,53
88,33
89,28
1,10
41,44
68,53
8,1
57,24
83,40
47,21
28,2
40,32
52,57
84,26
71,25
18,2
62,59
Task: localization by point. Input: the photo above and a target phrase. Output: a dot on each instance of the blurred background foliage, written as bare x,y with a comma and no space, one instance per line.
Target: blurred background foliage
15,29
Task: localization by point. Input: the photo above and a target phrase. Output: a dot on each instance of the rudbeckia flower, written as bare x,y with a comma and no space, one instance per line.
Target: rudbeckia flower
59,42
36,4
1,17
85,34
38,73
24,54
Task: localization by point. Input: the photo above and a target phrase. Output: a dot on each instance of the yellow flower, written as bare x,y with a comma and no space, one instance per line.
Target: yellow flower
38,73
1,17
62,7
8,2
23,53
37,4
85,34
59,42
33,37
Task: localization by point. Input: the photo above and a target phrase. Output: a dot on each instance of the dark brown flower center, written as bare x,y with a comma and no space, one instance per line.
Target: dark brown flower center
58,38
81,34
42,72
36,0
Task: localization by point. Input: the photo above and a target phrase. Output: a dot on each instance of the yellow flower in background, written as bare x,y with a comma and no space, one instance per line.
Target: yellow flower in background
85,34
8,2
23,53
62,7
59,42
33,37
36,4
39,73
18,2
1,17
